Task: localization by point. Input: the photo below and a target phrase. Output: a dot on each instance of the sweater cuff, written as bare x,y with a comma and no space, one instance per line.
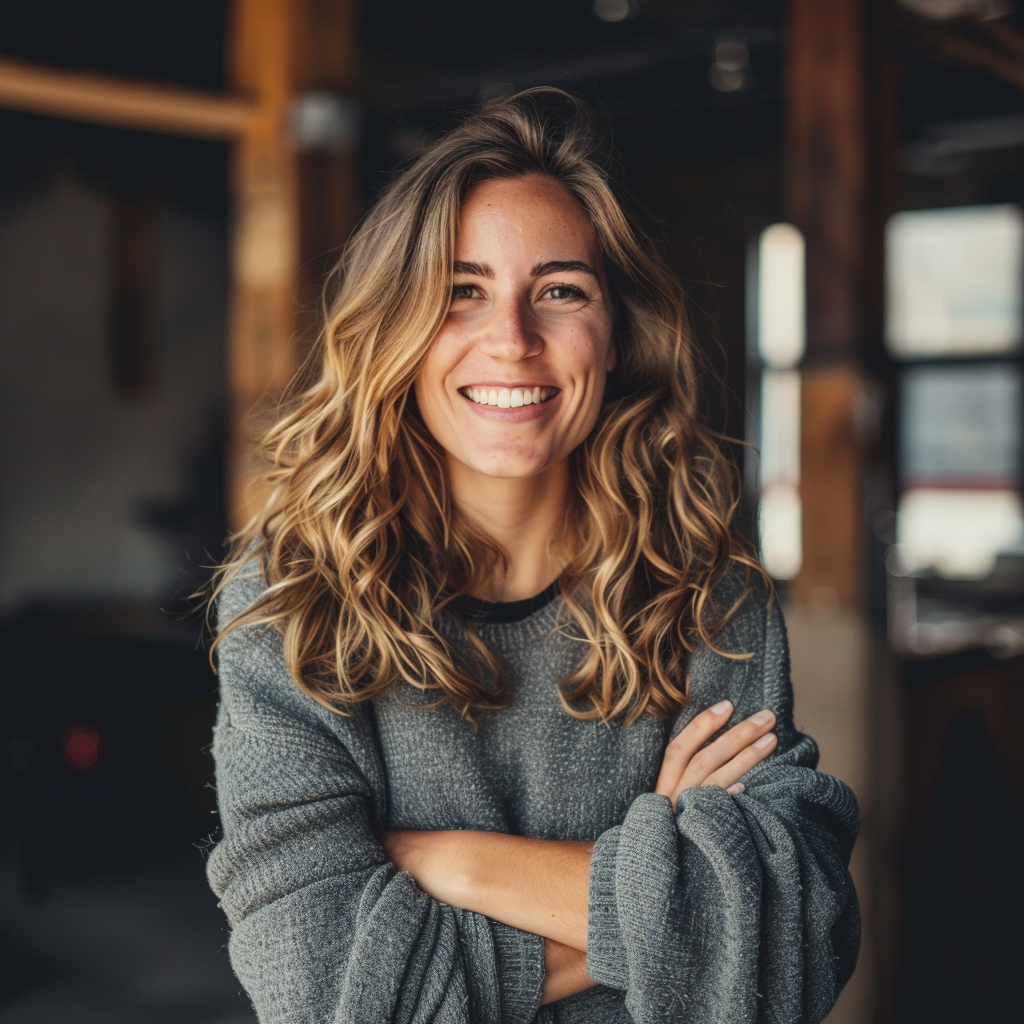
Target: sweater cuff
606,957
520,958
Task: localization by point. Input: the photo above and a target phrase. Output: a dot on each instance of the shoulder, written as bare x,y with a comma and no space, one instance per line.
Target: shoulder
744,602
251,662
748,649
243,589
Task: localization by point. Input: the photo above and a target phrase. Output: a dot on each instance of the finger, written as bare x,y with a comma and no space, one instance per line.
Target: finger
742,763
687,743
726,747
736,788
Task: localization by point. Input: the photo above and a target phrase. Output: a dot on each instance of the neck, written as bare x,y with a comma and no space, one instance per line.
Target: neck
522,516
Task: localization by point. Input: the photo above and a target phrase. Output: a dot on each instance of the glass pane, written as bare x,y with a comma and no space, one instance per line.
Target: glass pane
960,426
953,281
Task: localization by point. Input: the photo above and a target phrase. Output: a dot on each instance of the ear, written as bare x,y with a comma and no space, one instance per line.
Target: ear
613,358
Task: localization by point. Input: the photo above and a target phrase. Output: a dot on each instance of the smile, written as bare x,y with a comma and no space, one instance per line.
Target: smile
509,398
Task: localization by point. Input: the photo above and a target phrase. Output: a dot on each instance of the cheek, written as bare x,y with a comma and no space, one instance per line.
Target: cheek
592,354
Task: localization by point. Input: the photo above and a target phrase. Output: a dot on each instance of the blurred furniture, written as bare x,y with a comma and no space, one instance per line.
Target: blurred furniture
962,840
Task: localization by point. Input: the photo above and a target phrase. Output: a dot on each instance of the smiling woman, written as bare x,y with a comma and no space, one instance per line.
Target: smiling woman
506,723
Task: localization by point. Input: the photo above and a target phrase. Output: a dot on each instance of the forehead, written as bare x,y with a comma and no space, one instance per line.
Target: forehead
533,210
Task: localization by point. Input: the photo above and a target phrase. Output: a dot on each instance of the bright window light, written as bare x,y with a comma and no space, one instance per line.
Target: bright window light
780,524
781,302
958,533
780,427
954,281
780,515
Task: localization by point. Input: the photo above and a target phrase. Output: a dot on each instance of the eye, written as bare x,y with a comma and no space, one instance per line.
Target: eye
464,291
563,292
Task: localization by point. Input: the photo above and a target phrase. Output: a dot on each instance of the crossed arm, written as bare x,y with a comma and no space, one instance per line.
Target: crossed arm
540,885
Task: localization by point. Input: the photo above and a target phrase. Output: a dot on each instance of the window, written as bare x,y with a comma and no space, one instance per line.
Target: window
779,327
953,320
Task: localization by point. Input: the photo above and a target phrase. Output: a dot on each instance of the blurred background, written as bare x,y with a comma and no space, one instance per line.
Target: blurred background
840,186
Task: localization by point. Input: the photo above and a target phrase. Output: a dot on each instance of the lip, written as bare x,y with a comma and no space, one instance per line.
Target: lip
506,384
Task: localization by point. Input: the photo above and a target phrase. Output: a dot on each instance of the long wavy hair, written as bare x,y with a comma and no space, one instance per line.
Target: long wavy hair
360,542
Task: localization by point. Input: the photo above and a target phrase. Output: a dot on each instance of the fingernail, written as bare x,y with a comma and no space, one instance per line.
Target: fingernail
735,789
767,740
762,717
721,707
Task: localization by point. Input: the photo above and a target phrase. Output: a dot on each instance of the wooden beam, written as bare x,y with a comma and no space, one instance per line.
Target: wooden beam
827,167
831,470
996,49
325,62
1003,34
261,353
826,184
293,210
124,103
840,151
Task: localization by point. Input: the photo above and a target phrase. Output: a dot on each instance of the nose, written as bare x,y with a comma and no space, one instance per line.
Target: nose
511,333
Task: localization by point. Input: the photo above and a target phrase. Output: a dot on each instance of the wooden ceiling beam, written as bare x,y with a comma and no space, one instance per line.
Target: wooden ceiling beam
1004,34
992,47
122,102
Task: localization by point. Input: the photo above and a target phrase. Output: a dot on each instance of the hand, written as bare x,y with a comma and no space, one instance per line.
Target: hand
691,761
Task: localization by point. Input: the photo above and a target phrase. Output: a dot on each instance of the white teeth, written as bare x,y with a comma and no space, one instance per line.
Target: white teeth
506,398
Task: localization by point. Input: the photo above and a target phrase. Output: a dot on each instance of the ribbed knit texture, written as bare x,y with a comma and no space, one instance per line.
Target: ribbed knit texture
733,910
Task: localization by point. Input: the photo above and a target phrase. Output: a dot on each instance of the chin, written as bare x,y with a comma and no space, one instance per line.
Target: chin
507,468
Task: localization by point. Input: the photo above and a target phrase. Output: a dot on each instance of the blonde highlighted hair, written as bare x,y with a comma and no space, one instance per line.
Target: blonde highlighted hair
360,542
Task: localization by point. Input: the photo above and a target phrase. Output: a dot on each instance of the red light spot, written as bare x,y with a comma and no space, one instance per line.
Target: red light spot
81,746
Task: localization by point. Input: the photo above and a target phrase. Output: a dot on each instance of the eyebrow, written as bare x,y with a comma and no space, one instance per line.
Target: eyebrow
477,269
538,270
563,266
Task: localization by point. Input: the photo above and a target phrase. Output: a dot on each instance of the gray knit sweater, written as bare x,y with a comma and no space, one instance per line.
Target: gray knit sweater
733,910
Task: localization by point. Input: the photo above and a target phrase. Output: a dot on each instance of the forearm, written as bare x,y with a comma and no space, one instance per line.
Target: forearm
536,885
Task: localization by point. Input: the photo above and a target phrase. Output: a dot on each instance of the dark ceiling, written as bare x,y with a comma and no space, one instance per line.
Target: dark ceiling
422,62
418,56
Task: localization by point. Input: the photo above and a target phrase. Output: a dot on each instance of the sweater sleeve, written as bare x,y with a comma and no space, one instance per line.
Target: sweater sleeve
323,927
733,909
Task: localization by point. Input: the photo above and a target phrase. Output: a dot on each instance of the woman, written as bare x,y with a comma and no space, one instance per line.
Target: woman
493,662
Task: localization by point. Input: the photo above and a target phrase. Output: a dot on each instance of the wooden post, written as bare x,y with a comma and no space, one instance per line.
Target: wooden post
291,211
264,251
827,166
325,64
840,151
